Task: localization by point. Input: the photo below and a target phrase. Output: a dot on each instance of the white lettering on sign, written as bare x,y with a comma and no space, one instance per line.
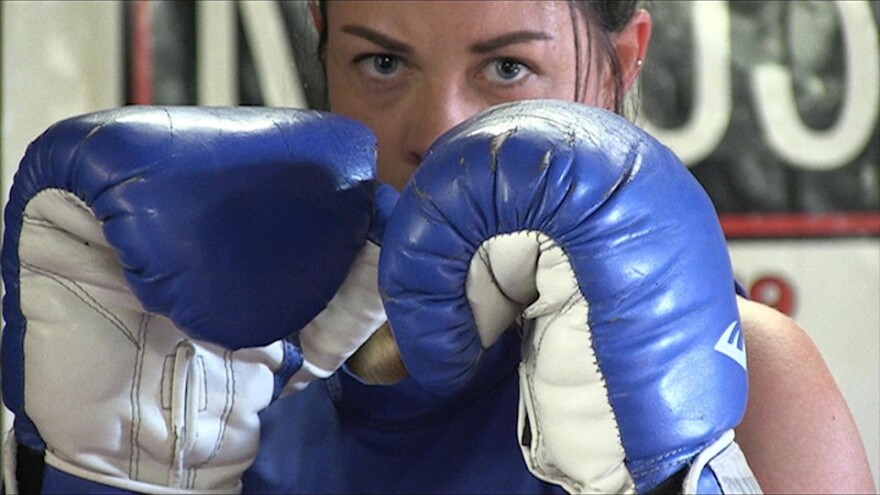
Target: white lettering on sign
828,149
773,94
712,104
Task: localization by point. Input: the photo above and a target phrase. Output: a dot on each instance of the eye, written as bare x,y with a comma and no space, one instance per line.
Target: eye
381,65
385,64
505,70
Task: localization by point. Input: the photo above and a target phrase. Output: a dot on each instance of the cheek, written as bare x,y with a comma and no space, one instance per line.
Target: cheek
391,167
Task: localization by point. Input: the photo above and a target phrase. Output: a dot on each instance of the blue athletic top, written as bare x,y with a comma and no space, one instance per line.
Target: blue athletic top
340,435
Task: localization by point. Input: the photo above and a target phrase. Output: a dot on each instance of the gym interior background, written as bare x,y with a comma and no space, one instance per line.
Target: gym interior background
773,106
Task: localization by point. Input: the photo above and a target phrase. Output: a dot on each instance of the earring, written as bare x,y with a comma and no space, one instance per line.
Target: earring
639,62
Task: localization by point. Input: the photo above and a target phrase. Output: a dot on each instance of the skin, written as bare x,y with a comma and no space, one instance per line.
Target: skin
798,433
413,70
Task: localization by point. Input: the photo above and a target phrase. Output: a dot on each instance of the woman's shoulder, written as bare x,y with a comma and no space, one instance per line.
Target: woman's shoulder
766,321
798,433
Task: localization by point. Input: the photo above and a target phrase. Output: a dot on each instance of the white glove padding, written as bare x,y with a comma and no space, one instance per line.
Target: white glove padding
152,409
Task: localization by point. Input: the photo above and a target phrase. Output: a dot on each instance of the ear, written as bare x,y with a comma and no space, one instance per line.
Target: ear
631,45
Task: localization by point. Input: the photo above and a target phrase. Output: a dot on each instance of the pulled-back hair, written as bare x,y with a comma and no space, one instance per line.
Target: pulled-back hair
604,18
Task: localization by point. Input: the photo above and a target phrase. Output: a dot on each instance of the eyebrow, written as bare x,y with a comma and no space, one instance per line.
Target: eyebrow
386,42
508,39
490,45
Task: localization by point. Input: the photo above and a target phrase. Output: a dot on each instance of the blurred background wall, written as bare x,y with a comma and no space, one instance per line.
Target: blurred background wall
773,105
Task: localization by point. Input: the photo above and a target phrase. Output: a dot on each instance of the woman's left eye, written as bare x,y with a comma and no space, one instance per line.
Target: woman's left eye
505,71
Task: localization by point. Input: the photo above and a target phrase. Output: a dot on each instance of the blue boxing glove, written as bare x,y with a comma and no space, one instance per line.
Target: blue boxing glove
155,261
597,240
354,313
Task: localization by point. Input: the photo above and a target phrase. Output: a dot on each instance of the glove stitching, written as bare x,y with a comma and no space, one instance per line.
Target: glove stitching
134,394
75,202
181,427
538,436
83,296
41,222
229,402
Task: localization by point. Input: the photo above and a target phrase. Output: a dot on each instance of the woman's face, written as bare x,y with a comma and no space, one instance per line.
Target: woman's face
413,70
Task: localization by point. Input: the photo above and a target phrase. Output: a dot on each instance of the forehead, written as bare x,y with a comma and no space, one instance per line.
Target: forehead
451,21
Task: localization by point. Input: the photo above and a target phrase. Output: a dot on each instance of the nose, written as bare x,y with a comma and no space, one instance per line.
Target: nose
437,108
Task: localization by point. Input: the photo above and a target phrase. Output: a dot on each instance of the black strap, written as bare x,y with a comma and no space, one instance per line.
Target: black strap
672,485
29,465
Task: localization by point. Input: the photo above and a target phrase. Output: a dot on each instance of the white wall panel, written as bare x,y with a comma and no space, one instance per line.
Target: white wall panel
59,59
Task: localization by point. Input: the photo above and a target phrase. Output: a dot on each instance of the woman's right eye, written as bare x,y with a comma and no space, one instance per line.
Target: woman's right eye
379,65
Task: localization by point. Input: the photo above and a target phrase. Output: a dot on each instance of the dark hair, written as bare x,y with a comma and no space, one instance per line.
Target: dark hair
609,16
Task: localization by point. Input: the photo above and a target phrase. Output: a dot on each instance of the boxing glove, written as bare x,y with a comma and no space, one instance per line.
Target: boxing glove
594,239
155,261
354,313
